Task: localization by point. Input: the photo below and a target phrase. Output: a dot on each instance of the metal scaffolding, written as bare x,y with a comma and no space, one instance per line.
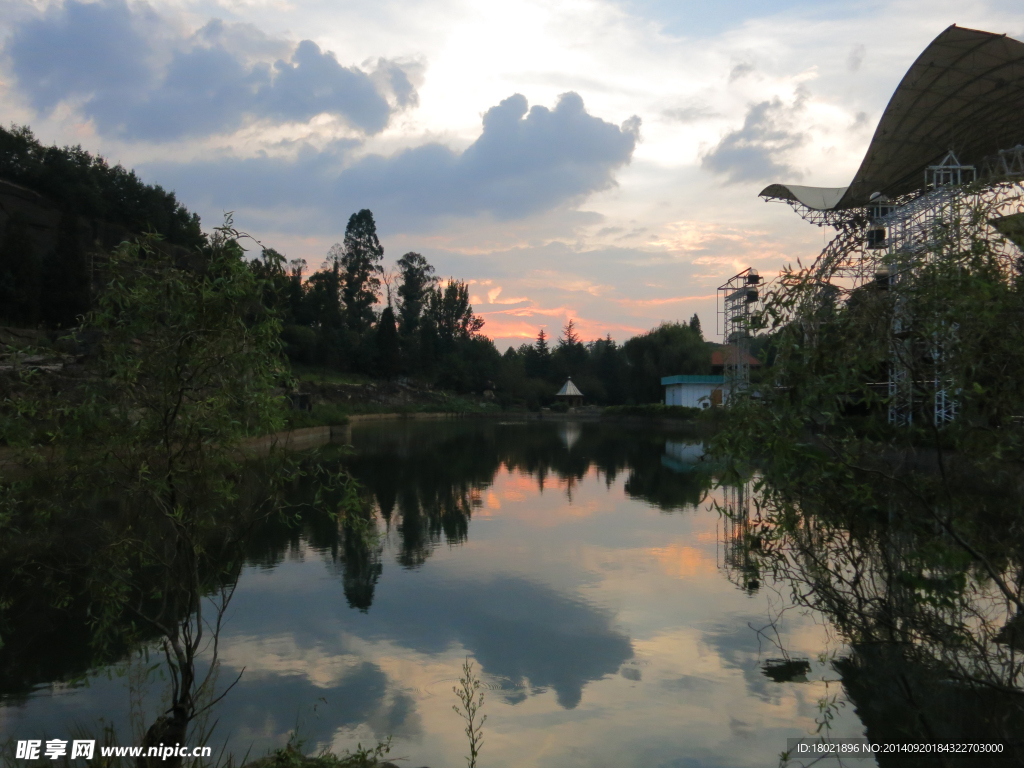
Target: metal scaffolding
888,242
903,213
737,299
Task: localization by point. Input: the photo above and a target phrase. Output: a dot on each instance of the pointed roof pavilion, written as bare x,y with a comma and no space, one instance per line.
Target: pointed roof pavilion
569,389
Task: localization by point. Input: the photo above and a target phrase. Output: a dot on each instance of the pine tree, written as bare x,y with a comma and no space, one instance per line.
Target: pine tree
570,358
570,338
541,345
538,362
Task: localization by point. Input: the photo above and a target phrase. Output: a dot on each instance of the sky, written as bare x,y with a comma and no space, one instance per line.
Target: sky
598,160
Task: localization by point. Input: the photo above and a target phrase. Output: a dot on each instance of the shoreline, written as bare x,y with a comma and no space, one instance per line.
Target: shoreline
307,438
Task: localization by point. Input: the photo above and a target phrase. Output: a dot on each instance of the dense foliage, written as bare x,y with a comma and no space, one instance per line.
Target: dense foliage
85,184
48,278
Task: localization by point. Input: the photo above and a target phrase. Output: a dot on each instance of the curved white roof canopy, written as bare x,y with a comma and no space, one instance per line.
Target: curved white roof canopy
815,198
964,93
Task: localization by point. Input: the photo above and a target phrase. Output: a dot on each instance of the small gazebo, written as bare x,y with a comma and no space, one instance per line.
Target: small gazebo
570,395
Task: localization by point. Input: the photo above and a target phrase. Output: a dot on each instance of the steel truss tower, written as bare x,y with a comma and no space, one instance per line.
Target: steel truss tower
888,242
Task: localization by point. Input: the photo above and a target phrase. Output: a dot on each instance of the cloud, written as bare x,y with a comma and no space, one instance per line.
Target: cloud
137,78
740,649
526,161
662,301
754,152
77,47
268,705
690,113
739,71
856,58
395,77
514,628
494,297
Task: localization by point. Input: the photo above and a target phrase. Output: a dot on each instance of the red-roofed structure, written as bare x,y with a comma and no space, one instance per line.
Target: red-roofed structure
728,356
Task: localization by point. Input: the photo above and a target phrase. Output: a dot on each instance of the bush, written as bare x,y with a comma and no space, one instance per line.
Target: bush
300,343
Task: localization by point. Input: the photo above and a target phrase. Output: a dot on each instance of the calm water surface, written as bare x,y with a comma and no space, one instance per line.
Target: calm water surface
581,567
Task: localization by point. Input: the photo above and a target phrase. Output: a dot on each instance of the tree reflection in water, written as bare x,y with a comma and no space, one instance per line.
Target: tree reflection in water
426,481
931,614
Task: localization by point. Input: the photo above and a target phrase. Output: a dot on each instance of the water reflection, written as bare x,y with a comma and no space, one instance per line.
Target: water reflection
932,640
741,539
518,630
426,482
575,563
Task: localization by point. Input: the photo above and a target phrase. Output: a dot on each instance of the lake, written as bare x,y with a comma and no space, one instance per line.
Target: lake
614,616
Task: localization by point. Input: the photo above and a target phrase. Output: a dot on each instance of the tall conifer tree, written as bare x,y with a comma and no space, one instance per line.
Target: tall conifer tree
360,265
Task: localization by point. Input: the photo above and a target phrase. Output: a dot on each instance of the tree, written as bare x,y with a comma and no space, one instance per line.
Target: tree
86,186
321,304
538,357
570,337
360,265
389,279
452,313
541,345
428,344
295,289
570,356
608,364
388,358
269,268
668,350
695,325
417,282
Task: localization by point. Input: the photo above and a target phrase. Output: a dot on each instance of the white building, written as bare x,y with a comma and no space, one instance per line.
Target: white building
695,391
